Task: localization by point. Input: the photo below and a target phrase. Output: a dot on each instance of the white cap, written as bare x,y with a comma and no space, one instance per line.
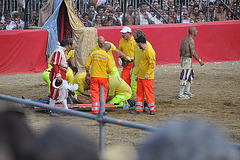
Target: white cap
126,30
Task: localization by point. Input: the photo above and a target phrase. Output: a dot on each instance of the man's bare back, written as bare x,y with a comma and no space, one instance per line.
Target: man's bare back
185,50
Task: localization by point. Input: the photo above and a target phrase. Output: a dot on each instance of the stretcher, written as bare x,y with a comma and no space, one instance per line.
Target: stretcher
80,106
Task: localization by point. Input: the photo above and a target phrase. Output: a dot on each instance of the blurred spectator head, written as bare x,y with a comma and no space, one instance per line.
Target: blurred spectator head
190,8
195,9
170,3
211,7
130,8
108,7
8,19
15,134
185,15
152,12
91,15
165,10
198,18
116,4
229,15
61,143
143,7
196,2
172,12
110,15
148,8
79,15
184,8
98,18
156,5
91,6
188,140
220,8
100,9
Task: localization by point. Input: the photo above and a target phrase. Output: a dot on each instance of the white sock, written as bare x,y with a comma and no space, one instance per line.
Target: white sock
188,86
64,103
181,90
52,102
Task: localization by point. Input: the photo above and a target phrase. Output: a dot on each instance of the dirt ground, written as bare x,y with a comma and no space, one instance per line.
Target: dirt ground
216,88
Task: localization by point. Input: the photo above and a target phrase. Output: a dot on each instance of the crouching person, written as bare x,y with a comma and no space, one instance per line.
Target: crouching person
118,91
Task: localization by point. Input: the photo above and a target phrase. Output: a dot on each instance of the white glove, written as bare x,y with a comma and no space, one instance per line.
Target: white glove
129,59
146,76
75,97
136,77
131,71
119,61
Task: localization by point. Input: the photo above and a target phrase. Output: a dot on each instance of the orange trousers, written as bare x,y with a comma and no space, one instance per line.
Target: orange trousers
126,73
95,85
145,88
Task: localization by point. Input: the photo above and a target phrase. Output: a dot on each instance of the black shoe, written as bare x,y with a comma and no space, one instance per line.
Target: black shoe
52,114
152,112
146,109
135,112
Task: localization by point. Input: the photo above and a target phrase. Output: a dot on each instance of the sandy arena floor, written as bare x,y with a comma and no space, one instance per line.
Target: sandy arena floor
216,88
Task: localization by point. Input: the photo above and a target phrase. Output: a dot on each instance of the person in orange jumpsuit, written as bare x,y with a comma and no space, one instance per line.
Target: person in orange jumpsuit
126,45
101,67
145,77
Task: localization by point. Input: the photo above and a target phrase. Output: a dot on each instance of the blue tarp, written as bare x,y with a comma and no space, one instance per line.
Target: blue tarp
51,27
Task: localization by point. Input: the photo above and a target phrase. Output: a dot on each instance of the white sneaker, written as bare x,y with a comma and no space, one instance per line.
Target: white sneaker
189,94
183,96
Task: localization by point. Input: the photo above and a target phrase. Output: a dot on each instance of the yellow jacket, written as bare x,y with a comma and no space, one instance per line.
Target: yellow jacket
147,63
101,64
137,52
127,47
113,48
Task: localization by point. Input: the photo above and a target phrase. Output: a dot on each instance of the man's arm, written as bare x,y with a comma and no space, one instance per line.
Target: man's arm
72,60
85,93
194,54
109,98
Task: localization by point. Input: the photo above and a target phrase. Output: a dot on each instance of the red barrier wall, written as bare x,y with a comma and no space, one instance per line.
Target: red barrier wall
23,51
215,42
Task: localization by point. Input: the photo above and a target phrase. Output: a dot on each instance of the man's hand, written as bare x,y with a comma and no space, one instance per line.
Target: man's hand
119,61
129,59
201,62
75,97
146,76
136,77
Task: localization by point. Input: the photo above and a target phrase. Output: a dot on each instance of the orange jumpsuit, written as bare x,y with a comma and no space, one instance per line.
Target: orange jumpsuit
101,67
145,87
127,47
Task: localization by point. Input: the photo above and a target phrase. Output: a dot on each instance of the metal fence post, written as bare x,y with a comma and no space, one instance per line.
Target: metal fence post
101,121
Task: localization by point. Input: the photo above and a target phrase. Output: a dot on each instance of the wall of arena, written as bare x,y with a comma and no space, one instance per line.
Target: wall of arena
23,51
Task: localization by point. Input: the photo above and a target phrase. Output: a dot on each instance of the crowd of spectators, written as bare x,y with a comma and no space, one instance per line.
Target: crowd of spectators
98,15
15,20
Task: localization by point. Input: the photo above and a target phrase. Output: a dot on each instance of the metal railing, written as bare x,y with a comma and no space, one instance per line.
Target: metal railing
100,118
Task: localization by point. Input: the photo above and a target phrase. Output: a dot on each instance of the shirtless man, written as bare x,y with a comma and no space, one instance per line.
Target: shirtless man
187,51
221,14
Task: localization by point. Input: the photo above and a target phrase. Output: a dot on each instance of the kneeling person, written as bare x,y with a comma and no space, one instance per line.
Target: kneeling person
118,91
81,95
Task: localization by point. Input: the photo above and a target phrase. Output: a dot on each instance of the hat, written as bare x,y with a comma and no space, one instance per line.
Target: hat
126,30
